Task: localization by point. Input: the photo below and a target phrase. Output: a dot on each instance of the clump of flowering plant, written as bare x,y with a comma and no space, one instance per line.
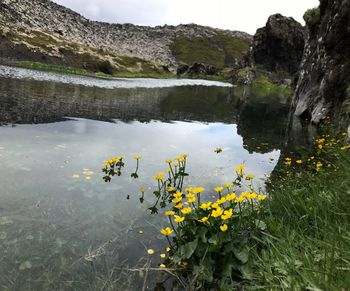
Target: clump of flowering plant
211,237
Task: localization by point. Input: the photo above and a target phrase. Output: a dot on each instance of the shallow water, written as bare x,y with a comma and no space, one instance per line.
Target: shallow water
54,206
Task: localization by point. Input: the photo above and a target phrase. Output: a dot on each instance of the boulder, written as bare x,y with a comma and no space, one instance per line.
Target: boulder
279,45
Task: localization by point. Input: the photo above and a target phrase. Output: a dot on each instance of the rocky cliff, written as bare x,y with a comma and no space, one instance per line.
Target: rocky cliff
42,30
324,76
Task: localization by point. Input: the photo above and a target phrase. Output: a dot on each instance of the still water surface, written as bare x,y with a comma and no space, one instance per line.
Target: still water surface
55,134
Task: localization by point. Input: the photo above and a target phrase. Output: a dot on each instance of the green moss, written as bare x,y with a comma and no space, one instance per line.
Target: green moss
262,85
219,51
312,16
50,67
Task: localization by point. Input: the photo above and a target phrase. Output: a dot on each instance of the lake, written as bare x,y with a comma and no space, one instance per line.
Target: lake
57,130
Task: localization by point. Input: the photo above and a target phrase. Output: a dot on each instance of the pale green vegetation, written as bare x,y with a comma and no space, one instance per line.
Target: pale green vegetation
219,51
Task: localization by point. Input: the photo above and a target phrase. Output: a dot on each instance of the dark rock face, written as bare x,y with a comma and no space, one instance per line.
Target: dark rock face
324,75
279,45
197,69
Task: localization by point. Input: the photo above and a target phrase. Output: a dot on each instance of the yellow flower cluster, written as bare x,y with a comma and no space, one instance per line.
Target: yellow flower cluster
113,161
221,209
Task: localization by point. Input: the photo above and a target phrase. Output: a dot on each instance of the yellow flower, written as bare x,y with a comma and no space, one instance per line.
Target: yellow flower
239,199
150,251
288,163
171,189
191,198
288,159
214,205
319,165
228,185
162,266
320,146
163,256
227,214
205,206
178,194
299,161
249,177
188,189
168,249
169,213
222,200
159,176
230,196
186,210
169,161
261,197
204,220
166,231
176,200
179,219
176,165
197,190
251,195
137,158
239,170
178,206
223,227
218,189
142,190
217,212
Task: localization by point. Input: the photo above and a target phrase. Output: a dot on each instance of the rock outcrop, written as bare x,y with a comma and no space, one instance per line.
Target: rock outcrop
324,75
48,29
279,45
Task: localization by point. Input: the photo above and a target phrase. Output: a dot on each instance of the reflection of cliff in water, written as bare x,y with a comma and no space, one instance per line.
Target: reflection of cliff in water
259,119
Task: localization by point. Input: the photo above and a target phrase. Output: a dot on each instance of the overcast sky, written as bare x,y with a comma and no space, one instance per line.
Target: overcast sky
244,15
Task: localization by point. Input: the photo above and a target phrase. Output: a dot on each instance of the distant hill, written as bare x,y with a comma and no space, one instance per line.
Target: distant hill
43,31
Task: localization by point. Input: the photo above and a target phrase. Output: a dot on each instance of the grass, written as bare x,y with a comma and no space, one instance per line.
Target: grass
77,71
263,84
51,67
308,245
219,51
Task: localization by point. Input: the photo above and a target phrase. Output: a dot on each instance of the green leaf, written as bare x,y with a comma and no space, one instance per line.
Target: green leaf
242,255
188,249
205,271
213,240
202,231
260,224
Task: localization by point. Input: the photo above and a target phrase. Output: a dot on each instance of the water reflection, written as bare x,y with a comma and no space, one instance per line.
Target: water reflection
259,119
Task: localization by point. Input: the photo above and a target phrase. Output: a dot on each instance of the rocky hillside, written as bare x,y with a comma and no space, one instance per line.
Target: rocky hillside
40,30
324,76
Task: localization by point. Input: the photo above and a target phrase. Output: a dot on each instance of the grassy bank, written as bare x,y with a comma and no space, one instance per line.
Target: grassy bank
308,241
76,71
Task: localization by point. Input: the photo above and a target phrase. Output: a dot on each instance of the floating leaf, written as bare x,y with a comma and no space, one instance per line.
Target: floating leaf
5,221
25,265
60,242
